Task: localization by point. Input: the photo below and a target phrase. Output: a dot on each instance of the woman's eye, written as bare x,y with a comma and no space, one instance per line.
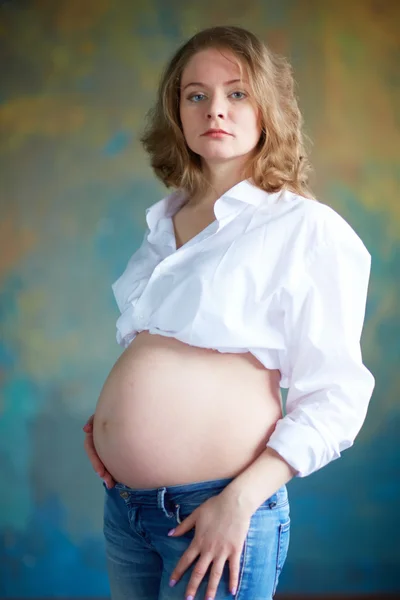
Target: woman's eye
239,95
196,97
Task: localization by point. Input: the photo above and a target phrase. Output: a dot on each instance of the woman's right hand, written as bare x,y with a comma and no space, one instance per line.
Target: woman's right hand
94,457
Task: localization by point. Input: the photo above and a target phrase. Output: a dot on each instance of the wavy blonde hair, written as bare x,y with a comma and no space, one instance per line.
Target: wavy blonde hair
279,160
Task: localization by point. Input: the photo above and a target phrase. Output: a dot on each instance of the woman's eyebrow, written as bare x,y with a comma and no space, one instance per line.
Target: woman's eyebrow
200,84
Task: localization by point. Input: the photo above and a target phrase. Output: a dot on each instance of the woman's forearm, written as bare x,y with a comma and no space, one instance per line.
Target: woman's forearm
259,481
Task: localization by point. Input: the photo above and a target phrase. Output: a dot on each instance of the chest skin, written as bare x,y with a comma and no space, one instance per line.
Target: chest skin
189,222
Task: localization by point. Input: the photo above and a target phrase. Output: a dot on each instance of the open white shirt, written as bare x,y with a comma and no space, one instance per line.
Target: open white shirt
278,275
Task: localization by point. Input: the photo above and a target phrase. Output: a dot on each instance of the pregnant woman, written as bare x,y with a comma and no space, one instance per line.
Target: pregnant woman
244,283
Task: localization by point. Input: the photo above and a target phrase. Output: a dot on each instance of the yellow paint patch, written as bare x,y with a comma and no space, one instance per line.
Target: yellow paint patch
41,352
75,15
15,241
39,115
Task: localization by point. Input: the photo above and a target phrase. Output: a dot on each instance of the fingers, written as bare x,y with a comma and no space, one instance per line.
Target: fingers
199,572
234,570
216,573
215,577
108,480
93,456
88,427
185,561
96,462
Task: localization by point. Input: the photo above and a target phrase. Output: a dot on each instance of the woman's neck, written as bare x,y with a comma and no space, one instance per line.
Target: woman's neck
221,178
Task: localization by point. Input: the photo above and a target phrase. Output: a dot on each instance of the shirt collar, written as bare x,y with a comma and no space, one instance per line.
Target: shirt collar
230,202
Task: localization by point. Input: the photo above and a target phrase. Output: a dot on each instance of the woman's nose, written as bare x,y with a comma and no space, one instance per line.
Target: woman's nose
216,108
213,115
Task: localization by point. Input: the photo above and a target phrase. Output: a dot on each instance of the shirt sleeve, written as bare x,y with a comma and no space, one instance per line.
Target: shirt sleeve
329,387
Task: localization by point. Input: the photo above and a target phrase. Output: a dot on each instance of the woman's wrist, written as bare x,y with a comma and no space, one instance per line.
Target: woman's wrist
259,481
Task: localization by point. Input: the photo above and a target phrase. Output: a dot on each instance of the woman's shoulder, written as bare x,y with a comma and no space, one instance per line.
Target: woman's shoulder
318,221
311,210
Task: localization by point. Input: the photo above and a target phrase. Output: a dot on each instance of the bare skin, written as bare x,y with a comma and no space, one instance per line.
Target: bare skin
170,413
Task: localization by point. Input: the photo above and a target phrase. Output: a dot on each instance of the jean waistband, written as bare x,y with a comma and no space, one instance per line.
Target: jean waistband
196,486
178,492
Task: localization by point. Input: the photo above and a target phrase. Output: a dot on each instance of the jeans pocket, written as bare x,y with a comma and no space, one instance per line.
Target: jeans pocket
283,546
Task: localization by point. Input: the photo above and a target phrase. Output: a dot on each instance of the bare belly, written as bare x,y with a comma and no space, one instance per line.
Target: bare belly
170,413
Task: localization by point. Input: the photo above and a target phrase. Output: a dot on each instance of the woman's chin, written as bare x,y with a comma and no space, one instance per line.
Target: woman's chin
216,158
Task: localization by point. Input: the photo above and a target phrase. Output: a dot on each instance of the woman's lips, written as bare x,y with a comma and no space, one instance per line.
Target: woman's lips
216,134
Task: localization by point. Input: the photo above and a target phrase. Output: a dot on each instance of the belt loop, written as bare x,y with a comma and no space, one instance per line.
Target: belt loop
161,504
178,518
160,497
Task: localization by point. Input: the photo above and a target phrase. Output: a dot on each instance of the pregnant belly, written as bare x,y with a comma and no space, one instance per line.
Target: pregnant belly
170,413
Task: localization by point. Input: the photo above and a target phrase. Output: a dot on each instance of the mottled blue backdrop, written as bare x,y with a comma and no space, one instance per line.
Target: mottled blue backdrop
76,80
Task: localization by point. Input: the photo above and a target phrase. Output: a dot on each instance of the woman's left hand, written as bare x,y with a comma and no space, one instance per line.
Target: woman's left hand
221,528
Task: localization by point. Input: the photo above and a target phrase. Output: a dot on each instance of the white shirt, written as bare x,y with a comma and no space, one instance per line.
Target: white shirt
277,275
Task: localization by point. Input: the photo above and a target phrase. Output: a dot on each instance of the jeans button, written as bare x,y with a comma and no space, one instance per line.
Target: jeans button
124,495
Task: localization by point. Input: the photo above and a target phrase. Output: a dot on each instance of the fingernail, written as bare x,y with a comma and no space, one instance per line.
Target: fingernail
233,591
172,582
171,532
106,484
189,598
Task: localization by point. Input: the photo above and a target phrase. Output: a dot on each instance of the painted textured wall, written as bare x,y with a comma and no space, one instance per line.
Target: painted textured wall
76,80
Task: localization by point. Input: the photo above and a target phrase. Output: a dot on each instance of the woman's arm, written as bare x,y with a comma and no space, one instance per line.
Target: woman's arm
259,481
329,386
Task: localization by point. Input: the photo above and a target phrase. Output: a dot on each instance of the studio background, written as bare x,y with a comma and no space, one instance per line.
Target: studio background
76,79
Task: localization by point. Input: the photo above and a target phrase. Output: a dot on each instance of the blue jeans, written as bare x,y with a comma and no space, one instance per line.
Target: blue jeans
141,557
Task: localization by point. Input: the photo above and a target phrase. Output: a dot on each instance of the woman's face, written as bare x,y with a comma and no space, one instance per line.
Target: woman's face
213,97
